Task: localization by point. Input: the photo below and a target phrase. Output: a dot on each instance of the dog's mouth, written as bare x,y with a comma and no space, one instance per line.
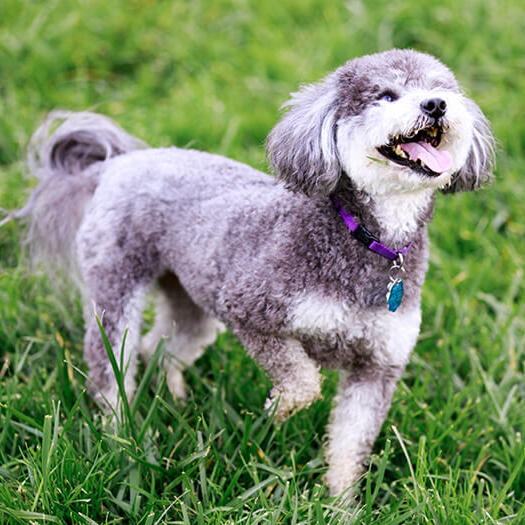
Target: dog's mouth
418,150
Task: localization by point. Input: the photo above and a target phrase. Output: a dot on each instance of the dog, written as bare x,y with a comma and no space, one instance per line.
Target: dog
320,266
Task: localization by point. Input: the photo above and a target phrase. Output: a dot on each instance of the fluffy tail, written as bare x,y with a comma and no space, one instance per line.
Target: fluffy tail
66,153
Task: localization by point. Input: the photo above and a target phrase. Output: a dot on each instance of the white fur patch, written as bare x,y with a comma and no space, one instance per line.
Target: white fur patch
399,214
394,334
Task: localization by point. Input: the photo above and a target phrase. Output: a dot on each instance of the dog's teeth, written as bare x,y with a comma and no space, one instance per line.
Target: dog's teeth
398,150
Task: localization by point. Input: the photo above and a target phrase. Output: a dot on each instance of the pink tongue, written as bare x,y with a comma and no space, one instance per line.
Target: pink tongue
437,161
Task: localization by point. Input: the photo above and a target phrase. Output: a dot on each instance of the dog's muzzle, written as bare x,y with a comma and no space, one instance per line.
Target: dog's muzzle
419,148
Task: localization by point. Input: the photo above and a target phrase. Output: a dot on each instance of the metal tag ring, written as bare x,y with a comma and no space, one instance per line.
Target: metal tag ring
396,271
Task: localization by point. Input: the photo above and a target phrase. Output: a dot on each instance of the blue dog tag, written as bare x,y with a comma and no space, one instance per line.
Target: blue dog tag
394,294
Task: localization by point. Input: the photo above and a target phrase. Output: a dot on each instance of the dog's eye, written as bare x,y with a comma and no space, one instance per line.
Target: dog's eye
388,96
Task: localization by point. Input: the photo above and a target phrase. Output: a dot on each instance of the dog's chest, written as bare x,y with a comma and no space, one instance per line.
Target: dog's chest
341,335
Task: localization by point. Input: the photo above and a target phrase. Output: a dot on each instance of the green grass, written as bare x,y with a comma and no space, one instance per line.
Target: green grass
212,74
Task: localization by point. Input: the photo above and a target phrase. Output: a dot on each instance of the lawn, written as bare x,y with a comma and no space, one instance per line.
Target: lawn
211,75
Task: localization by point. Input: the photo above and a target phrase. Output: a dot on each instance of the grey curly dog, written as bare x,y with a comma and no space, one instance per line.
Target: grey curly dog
298,266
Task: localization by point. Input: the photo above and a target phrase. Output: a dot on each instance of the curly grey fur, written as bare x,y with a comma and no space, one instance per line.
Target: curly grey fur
67,143
65,153
301,148
224,242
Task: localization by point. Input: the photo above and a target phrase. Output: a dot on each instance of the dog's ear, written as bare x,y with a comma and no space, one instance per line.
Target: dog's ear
302,146
477,170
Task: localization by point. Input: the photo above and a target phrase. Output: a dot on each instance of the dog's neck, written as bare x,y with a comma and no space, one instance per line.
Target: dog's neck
395,218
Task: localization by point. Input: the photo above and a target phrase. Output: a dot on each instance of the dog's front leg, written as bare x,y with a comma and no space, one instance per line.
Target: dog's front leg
295,377
361,405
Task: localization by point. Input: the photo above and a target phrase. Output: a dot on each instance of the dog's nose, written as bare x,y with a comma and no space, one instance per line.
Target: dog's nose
434,107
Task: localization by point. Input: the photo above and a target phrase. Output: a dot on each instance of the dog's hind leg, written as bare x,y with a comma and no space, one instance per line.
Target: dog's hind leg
187,328
116,277
119,315
295,376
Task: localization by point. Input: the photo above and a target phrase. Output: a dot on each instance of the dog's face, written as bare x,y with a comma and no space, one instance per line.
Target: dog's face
393,122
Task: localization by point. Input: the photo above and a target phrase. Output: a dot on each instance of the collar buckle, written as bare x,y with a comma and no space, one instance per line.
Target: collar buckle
364,236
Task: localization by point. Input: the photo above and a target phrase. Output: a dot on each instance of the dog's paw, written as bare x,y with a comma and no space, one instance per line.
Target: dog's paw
176,384
343,479
149,343
279,405
285,402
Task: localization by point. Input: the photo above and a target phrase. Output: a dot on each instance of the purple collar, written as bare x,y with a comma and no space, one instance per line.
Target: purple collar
365,237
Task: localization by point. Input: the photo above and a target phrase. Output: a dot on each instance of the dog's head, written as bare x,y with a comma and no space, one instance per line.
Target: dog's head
393,122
